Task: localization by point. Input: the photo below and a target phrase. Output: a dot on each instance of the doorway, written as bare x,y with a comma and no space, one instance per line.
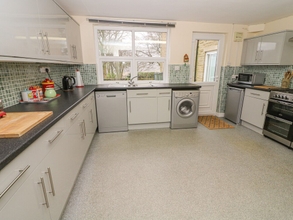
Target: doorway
206,60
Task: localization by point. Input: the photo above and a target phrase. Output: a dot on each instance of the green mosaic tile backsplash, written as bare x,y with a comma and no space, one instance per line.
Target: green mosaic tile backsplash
16,77
274,76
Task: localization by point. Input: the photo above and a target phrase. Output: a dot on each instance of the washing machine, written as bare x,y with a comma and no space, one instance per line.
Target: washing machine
185,104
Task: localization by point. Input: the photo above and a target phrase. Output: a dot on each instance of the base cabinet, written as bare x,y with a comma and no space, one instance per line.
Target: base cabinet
254,107
44,192
149,106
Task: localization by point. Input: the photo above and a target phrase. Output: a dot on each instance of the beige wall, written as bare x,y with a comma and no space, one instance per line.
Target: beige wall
180,42
275,26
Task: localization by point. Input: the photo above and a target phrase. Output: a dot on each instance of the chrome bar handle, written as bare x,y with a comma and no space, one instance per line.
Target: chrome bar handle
169,104
51,181
164,93
84,128
72,51
256,94
55,137
92,117
75,52
14,181
74,116
263,108
43,43
261,54
129,106
44,192
81,129
142,93
47,41
256,55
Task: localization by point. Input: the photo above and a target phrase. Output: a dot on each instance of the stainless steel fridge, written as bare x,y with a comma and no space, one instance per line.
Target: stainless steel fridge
234,103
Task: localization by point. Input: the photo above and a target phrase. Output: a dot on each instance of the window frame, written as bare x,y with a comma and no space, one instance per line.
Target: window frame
132,59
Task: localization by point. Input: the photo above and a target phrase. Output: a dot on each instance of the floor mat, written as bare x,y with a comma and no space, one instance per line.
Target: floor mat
213,122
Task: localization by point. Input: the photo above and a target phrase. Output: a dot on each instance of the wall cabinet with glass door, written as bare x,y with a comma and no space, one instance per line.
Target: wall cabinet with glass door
271,49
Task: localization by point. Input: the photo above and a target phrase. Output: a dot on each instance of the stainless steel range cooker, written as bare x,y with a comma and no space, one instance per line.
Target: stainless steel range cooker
279,118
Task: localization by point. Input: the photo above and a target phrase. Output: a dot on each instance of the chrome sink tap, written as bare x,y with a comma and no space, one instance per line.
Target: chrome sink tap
131,82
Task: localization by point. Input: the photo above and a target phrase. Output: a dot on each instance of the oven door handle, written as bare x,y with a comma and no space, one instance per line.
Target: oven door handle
280,102
279,119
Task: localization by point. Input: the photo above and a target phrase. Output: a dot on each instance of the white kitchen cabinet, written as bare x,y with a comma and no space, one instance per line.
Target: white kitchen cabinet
16,22
142,110
254,109
91,116
142,106
38,30
74,42
54,170
271,49
164,105
148,106
30,158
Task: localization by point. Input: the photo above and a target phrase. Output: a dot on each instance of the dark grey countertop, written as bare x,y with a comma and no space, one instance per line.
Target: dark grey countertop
245,86
173,86
11,147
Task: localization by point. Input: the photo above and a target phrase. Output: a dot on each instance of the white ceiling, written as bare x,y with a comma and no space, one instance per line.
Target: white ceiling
247,12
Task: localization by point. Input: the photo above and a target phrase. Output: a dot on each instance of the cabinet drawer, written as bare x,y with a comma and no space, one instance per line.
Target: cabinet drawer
141,93
257,94
164,92
29,159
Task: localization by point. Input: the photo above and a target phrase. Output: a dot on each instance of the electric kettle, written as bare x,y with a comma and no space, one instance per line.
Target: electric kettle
68,82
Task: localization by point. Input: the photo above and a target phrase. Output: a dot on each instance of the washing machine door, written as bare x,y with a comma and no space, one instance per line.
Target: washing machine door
185,108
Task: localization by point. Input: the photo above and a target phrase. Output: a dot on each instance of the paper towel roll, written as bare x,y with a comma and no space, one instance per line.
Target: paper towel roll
79,82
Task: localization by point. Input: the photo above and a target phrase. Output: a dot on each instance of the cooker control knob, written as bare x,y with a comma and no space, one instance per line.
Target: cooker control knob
278,96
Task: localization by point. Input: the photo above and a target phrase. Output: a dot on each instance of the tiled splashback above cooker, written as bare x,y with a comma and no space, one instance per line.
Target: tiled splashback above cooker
274,75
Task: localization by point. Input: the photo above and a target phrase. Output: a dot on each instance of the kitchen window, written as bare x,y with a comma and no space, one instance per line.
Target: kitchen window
124,53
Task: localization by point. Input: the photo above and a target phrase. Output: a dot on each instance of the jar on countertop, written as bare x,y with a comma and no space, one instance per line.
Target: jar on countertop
50,93
47,83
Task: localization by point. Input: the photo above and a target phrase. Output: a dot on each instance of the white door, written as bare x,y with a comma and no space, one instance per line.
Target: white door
206,60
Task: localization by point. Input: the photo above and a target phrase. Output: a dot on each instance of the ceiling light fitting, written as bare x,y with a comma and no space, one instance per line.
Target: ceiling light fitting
132,23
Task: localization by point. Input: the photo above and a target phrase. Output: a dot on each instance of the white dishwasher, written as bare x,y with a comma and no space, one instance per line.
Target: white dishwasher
111,111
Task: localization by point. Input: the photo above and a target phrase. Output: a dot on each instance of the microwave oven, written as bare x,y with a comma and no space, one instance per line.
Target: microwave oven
251,78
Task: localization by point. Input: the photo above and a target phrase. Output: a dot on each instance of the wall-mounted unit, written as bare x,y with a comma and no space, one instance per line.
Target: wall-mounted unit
270,49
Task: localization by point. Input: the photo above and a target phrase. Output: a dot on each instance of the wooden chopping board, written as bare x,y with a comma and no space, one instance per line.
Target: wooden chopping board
267,87
15,124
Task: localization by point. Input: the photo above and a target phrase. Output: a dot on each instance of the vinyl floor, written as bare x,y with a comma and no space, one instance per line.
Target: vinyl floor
202,174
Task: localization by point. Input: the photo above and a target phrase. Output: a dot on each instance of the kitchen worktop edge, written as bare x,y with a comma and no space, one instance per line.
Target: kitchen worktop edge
173,86
10,148
245,86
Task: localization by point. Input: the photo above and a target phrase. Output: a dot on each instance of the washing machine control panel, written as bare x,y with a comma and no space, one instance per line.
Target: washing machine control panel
187,94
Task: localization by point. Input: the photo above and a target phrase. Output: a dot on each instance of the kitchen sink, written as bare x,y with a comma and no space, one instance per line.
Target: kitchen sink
134,85
117,85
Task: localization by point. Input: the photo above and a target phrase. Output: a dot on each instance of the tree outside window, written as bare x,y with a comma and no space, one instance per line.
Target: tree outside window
123,54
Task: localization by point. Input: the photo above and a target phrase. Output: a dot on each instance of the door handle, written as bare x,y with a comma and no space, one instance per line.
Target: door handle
55,137
51,181
42,182
14,181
